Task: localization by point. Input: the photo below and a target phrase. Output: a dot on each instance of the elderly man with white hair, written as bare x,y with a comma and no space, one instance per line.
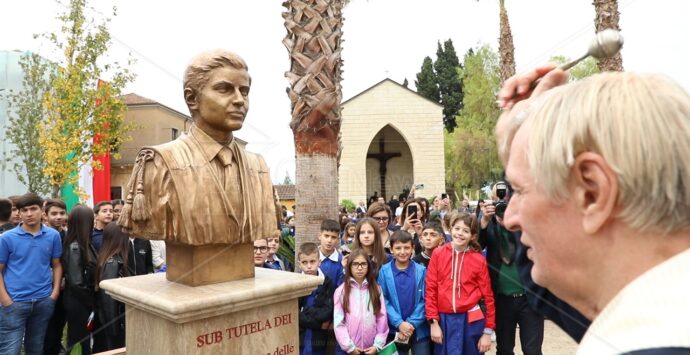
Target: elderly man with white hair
601,175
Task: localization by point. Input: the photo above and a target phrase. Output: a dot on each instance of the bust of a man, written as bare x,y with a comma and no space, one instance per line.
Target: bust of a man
203,193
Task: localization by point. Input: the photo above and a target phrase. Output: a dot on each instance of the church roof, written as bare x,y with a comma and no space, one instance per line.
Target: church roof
394,82
285,192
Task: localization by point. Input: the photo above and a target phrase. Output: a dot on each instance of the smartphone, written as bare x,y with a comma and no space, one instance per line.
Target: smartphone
444,196
412,211
419,186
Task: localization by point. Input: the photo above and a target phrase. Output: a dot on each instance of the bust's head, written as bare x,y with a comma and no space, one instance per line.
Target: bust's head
216,88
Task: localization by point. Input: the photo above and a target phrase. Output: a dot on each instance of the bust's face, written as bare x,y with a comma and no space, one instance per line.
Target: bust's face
223,102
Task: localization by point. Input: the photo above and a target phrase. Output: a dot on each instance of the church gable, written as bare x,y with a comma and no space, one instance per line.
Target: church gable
391,96
391,137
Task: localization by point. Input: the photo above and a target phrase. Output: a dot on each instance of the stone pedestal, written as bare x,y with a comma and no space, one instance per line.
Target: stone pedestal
208,264
251,316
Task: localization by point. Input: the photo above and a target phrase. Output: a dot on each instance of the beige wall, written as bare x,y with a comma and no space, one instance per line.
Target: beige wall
418,121
154,126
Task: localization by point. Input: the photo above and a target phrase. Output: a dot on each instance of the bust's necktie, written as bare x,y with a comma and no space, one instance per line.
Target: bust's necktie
225,159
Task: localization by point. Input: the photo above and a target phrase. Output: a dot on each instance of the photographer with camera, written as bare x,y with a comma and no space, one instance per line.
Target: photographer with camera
512,307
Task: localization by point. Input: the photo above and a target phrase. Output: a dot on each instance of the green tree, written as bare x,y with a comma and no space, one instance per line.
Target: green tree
25,111
426,82
84,116
348,204
583,69
450,84
471,153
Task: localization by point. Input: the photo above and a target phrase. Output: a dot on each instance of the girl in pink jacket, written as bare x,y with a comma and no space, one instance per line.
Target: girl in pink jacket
359,313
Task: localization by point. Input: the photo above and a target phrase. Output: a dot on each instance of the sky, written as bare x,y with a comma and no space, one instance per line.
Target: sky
382,38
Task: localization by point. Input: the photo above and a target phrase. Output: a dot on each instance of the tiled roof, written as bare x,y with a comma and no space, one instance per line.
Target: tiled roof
134,99
285,192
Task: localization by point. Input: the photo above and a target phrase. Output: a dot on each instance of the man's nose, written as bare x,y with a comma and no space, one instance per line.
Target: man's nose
511,218
238,99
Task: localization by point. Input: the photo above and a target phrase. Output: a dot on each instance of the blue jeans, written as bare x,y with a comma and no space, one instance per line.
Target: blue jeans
28,319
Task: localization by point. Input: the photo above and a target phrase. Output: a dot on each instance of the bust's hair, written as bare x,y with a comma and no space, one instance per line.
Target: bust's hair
640,124
197,73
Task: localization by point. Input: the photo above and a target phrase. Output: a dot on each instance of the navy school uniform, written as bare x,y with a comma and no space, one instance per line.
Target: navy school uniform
314,310
332,267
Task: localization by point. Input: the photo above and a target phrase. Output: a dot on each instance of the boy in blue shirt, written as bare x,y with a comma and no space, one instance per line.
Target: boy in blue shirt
315,310
30,274
331,260
402,282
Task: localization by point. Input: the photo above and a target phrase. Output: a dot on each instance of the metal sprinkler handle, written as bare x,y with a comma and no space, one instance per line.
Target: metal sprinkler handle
605,45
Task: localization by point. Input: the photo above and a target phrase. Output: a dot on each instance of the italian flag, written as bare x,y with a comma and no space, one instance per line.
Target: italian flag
95,183
389,349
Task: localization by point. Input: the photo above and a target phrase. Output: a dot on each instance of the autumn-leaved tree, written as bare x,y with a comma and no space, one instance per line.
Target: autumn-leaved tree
83,115
25,112
471,154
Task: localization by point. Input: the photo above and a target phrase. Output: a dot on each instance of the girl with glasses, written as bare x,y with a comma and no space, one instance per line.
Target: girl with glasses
359,314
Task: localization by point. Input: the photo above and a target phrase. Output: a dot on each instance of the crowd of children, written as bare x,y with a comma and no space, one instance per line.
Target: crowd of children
408,290
59,285
415,290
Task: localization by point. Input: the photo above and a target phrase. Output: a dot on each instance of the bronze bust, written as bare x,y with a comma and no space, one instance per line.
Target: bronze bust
203,193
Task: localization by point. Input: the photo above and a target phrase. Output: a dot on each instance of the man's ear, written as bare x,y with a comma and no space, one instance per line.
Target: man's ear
595,190
190,98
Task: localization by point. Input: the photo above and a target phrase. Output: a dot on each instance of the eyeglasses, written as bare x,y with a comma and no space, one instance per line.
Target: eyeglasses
260,249
381,219
360,266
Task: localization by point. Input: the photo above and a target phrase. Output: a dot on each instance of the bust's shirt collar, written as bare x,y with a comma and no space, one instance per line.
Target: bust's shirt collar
209,146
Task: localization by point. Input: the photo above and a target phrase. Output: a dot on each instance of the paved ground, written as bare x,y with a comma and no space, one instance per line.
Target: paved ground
556,342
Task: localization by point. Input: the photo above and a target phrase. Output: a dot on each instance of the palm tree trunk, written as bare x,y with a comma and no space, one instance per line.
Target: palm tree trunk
505,44
607,16
314,43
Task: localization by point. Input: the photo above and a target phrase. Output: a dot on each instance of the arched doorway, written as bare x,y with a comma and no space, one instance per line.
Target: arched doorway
389,164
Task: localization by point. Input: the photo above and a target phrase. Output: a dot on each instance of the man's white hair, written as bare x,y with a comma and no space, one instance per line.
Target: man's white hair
640,124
